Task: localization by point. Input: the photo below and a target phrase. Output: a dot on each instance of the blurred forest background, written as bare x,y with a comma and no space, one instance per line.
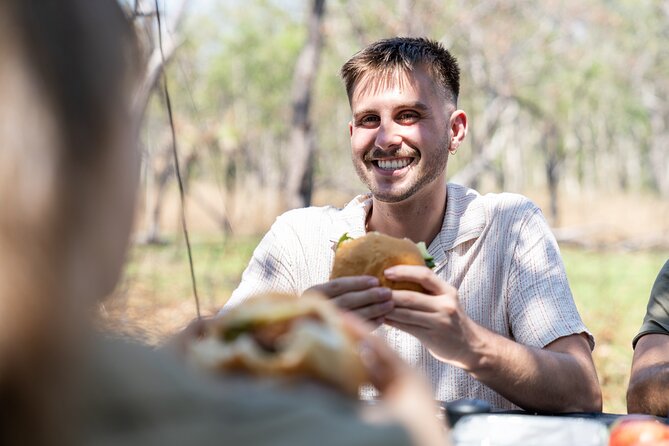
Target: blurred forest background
568,103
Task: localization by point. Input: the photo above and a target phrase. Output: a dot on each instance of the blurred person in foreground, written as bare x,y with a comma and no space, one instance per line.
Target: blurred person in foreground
648,390
497,321
69,173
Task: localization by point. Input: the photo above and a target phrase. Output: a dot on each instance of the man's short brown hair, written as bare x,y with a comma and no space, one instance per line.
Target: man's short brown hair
404,54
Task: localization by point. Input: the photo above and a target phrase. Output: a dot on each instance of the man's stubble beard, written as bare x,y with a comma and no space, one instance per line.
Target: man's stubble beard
431,172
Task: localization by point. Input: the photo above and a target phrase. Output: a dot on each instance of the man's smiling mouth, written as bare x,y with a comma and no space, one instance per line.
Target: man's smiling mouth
393,164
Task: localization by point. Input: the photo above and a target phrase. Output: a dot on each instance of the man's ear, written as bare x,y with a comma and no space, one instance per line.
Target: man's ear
458,124
350,128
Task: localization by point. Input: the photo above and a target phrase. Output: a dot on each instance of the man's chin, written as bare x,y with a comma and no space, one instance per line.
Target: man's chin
391,196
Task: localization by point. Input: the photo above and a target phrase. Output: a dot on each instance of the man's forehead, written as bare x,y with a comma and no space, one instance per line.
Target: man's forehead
379,81
376,82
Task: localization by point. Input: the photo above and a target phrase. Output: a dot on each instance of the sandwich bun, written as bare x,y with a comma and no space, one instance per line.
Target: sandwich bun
283,335
372,254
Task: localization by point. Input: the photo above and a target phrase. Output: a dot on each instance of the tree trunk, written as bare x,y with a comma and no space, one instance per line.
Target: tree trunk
485,148
160,180
144,16
551,144
156,61
659,149
406,12
299,183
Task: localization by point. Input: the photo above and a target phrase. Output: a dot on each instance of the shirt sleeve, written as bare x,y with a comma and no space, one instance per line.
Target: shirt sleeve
657,312
270,268
541,306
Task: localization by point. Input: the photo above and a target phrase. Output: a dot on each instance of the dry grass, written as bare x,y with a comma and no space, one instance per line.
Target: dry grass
155,297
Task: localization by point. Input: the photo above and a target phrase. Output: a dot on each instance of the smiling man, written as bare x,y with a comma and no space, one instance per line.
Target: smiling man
497,321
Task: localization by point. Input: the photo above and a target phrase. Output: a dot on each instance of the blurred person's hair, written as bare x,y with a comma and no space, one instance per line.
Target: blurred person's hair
383,60
65,86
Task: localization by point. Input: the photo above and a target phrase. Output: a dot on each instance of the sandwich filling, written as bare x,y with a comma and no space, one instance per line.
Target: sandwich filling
266,334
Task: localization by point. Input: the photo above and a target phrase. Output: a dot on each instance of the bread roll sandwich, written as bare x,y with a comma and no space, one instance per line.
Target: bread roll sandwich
283,335
373,253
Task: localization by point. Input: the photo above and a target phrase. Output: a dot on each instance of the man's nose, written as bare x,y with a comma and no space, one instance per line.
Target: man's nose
388,135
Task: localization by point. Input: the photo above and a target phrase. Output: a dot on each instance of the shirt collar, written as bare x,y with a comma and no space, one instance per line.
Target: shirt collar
465,220
352,218
465,217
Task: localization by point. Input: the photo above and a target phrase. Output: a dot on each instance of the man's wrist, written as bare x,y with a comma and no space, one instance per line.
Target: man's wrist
475,354
481,351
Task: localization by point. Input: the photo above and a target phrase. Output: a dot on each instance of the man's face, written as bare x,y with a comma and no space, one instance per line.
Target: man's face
400,135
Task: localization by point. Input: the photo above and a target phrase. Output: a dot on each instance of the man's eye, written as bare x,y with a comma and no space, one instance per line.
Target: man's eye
407,117
367,121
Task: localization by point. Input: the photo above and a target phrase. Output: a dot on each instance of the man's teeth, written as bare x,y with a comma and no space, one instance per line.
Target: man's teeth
394,164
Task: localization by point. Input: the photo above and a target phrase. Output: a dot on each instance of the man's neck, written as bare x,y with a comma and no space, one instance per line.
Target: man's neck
418,218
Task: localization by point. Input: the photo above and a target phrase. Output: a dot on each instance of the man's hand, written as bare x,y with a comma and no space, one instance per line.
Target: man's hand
437,318
360,295
560,377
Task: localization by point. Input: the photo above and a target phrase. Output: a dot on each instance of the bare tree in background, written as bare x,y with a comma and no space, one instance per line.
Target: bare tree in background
158,168
299,183
407,17
654,88
145,17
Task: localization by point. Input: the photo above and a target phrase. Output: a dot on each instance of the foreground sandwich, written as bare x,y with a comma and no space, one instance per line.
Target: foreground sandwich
373,253
283,335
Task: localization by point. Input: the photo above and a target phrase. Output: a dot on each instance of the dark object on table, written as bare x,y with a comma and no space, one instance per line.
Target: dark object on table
465,406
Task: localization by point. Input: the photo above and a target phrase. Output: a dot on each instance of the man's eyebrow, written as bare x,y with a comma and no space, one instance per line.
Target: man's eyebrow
366,111
418,105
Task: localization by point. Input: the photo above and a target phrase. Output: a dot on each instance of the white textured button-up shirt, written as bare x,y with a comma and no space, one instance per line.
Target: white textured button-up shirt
496,249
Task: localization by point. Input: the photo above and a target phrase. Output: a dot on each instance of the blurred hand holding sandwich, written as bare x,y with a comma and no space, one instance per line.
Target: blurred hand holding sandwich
297,339
283,335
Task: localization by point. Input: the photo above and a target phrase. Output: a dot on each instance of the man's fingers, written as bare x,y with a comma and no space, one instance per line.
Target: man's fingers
408,316
421,275
359,299
375,311
414,300
342,285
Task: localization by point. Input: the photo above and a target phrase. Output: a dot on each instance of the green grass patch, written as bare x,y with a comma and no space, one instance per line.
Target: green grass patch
611,291
162,272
